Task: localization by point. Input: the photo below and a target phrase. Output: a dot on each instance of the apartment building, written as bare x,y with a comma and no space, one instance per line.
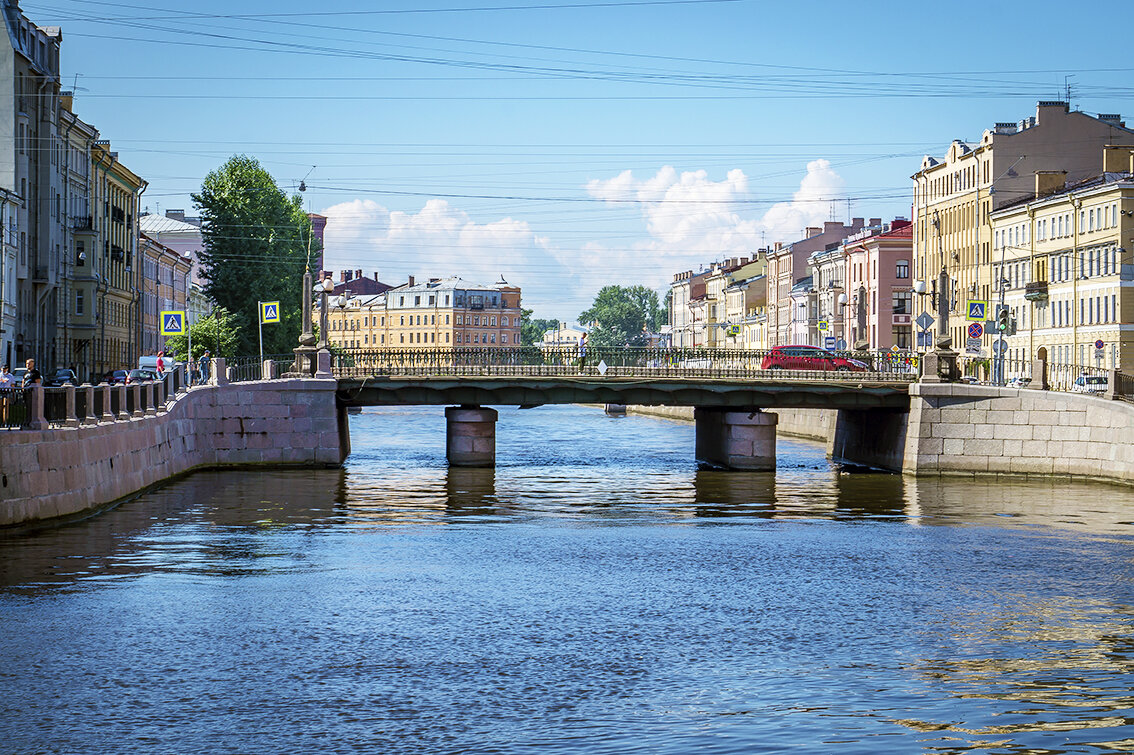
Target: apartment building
954,196
183,235
787,268
441,314
115,197
1065,258
878,308
698,312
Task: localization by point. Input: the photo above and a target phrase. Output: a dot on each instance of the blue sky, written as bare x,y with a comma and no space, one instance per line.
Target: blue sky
566,145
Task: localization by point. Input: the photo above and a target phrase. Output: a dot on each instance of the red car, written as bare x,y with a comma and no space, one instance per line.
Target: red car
808,358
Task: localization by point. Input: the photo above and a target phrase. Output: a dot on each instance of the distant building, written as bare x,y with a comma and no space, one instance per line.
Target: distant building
440,314
353,283
165,279
563,337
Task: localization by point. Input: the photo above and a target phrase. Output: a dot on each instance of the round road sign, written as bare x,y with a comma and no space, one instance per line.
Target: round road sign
976,330
1099,344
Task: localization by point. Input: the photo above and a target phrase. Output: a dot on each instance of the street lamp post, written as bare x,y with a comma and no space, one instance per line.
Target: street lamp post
941,363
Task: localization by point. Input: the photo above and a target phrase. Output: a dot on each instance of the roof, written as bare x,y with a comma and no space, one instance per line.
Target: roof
452,284
152,224
1103,179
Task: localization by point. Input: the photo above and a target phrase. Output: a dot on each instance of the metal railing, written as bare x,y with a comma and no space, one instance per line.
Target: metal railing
1123,387
245,369
13,408
628,362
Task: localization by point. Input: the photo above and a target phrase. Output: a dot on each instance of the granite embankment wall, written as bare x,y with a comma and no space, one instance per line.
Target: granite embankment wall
67,471
962,429
973,430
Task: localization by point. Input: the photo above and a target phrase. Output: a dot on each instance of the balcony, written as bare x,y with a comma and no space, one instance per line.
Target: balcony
1036,291
83,224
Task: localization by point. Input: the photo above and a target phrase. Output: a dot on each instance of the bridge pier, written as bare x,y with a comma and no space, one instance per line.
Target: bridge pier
470,436
736,440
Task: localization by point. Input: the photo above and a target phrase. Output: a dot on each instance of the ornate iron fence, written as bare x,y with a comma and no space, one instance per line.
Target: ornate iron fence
627,362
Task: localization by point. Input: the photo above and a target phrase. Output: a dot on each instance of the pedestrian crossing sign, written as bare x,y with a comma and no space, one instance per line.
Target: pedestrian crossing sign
975,312
173,323
269,311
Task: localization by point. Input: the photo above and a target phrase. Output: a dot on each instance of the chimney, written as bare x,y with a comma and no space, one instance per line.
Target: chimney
343,277
1117,159
1049,181
1052,107
811,231
875,222
1112,118
357,273
175,215
375,275
410,280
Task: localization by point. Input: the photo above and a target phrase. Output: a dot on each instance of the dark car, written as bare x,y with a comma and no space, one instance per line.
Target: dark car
808,358
115,377
140,376
62,377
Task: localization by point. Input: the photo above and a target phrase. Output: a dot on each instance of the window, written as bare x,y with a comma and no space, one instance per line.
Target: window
431,299
417,301
493,337
493,318
903,269
79,302
504,320
903,302
503,338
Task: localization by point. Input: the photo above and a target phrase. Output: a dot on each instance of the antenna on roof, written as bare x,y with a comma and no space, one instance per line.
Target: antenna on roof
1067,88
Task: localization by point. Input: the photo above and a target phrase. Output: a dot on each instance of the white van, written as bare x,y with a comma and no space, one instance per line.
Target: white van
150,363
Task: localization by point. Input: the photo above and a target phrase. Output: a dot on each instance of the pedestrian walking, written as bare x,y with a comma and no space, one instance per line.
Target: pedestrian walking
161,363
582,353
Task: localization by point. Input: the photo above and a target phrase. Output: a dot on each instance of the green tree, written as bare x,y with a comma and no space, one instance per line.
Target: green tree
532,330
623,315
216,332
256,243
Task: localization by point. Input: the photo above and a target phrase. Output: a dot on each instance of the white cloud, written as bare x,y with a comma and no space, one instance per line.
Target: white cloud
437,241
692,220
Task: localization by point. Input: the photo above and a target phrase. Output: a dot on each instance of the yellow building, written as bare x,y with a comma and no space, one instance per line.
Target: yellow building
441,314
955,196
1066,261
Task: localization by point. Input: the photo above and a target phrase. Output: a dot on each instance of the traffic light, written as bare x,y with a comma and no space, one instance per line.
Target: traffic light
1002,320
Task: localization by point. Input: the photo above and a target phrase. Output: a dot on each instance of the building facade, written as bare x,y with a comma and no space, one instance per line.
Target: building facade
787,267
879,304
165,283
955,196
1066,264
441,314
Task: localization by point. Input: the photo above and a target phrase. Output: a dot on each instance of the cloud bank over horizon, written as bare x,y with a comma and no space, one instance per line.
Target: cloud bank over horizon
689,221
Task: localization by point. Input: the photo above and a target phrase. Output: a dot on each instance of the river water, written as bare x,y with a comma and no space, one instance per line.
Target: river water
595,593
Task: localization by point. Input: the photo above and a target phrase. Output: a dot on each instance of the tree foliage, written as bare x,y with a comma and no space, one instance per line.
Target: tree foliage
532,329
256,243
217,333
623,315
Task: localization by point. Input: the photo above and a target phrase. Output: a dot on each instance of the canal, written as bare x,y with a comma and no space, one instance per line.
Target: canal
595,593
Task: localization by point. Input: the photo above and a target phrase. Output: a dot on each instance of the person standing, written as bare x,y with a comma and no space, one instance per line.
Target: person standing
160,363
7,383
582,352
203,372
32,376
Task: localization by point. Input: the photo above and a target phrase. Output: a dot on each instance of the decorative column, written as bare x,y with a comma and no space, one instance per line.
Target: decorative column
470,436
304,353
736,439
72,418
940,365
136,392
92,412
148,391
122,413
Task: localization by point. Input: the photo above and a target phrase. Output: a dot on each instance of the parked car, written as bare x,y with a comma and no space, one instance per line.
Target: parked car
115,377
140,376
1089,384
808,358
18,375
1019,382
62,377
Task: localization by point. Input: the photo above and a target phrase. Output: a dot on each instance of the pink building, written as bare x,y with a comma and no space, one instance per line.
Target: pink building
787,266
879,308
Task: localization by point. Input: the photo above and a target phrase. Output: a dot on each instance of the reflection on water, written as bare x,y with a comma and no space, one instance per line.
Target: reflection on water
596,592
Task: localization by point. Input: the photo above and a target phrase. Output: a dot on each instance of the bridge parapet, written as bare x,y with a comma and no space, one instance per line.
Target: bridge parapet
628,362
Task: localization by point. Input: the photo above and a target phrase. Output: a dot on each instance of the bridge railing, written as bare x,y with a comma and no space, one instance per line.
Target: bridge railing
621,363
